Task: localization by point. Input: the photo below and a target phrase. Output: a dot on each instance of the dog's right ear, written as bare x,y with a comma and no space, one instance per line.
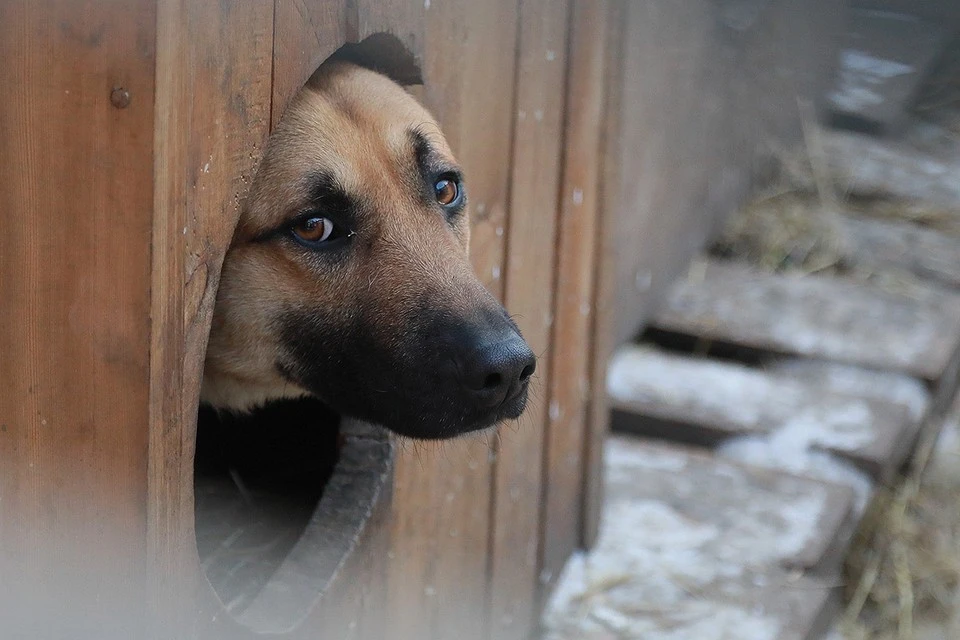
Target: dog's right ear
383,53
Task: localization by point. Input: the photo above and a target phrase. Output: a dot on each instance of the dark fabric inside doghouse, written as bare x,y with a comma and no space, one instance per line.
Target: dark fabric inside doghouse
258,479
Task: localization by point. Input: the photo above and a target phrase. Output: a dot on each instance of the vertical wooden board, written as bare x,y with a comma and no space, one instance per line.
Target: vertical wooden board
440,523
438,555
213,111
667,157
531,242
305,34
469,70
604,292
75,195
569,386
707,90
405,19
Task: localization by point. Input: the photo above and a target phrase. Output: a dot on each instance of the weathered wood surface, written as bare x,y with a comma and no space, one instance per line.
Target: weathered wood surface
701,547
704,401
832,377
687,135
919,250
605,299
441,523
304,35
696,132
883,59
538,133
866,166
815,317
568,478
213,115
76,185
156,185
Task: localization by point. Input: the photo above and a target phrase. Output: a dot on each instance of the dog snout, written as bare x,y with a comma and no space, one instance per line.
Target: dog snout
497,368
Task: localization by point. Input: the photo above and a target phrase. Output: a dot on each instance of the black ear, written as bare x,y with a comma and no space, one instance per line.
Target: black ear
383,53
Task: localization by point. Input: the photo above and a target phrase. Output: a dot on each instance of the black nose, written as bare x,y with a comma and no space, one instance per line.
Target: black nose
498,369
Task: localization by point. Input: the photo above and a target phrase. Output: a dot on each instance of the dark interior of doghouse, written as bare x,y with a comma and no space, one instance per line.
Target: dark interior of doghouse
258,479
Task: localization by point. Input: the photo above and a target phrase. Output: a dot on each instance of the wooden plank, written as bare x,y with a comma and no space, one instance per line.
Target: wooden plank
531,245
919,250
906,391
76,185
675,178
872,167
703,401
213,116
696,547
884,59
569,381
604,290
440,522
305,34
699,124
407,20
832,319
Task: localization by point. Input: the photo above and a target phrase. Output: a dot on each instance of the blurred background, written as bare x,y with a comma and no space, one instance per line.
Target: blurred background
784,461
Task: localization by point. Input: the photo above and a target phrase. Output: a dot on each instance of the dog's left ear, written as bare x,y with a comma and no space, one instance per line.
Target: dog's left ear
383,53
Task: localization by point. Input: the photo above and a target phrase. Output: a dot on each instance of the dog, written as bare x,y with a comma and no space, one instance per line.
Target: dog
348,275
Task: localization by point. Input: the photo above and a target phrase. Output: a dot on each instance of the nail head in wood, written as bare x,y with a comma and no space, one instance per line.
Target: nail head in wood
120,98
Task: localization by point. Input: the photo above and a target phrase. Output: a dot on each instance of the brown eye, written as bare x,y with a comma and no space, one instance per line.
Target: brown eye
447,191
313,230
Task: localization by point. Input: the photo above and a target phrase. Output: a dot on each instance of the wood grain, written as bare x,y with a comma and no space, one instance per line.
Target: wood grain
213,116
76,185
817,317
404,19
305,34
604,287
579,203
531,248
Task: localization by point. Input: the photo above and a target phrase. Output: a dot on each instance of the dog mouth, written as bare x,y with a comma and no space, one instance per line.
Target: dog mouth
433,416
448,378
511,408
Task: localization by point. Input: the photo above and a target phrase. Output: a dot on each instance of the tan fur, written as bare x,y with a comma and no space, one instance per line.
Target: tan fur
354,123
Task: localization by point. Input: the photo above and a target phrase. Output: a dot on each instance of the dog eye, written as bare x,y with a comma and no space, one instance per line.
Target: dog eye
447,191
314,230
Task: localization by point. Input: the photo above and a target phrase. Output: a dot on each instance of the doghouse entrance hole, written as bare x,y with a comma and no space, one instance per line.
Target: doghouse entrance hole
258,480
283,494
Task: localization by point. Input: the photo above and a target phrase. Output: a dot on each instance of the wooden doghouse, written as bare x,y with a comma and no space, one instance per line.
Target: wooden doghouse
128,135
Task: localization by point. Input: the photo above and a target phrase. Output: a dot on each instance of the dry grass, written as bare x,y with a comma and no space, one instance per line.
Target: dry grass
785,231
905,563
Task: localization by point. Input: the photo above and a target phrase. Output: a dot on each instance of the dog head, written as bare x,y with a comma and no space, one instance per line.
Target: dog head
348,277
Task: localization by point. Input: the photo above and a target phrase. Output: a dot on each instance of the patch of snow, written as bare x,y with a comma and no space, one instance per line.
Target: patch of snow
867,64
632,458
783,454
896,388
645,375
749,399
674,568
